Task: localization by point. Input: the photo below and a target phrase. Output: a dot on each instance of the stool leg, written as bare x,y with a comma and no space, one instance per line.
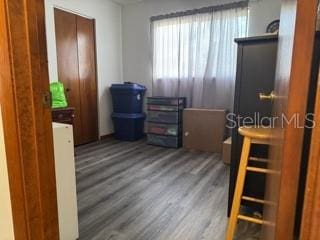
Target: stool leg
239,188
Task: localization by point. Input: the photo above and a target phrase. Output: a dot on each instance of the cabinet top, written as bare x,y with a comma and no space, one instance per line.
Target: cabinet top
257,38
63,109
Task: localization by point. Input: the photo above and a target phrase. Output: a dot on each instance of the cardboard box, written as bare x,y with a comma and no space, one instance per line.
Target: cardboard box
226,151
204,129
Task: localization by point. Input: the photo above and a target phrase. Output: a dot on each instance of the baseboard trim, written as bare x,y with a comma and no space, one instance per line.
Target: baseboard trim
103,137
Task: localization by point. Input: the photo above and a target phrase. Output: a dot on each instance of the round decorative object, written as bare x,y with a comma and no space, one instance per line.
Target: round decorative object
273,27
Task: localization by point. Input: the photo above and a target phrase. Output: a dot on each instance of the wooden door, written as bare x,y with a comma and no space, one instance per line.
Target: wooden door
311,211
296,37
87,79
24,85
75,39
67,61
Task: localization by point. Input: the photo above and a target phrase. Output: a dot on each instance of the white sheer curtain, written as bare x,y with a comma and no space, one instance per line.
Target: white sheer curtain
194,56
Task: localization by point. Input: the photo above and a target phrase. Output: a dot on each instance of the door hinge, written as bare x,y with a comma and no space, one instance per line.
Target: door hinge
46,99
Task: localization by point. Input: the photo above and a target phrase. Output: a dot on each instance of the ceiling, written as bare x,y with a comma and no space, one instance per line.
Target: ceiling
123,2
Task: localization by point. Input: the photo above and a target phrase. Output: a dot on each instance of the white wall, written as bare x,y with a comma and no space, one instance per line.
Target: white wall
262,12
108,43
122,39
6,224
136,30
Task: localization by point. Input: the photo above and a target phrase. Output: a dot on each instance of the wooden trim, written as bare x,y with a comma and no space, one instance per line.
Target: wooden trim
97,78
300,72
26,120
311,210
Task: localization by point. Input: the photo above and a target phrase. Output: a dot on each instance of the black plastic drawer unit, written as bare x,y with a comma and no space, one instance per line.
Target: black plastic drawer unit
166,101
165,121
165,141
167,108
164,129
164,117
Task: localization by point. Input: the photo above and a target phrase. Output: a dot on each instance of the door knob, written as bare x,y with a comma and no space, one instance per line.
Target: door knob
271,96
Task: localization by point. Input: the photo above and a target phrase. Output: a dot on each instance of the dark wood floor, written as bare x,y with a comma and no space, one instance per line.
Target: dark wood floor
130,190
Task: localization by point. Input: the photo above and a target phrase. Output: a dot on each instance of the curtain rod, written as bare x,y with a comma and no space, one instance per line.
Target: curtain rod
215,8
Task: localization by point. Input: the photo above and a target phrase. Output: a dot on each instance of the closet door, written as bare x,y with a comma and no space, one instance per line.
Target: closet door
68,64
75,38
87,78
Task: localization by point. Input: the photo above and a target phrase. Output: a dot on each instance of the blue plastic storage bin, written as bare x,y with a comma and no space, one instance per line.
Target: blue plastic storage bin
127,97
128,127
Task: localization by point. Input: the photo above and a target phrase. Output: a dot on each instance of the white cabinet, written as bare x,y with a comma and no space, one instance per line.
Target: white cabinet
66,181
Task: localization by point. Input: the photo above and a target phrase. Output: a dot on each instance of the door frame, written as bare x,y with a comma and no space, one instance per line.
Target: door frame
311,208
295,53
23,77
27,123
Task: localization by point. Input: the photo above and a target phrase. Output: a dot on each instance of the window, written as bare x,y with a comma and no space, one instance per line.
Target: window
196,52
178,42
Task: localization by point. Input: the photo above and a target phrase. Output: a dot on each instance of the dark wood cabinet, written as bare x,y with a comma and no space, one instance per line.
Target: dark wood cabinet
256,67
63,115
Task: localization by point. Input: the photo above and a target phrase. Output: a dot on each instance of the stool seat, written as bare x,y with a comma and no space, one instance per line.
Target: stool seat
256,132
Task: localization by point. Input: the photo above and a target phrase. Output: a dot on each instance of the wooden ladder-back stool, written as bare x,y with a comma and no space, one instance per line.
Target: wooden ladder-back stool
252,135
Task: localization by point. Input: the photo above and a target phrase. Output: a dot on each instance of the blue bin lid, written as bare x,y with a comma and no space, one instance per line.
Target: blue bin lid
128,86
128,115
